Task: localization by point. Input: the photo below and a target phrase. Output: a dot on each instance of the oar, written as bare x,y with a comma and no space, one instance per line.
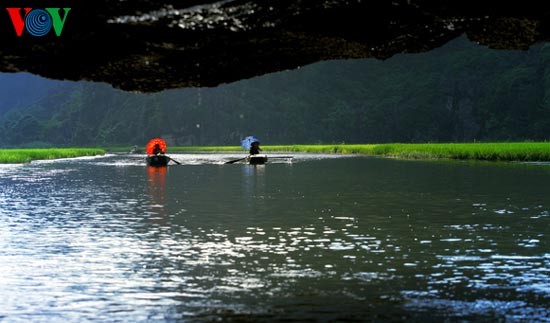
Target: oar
236,160
175,161
271,157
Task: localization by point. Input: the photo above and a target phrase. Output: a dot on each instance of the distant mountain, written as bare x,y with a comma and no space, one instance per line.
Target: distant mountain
459,92
19,90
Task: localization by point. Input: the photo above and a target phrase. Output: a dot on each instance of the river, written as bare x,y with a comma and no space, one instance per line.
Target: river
323,237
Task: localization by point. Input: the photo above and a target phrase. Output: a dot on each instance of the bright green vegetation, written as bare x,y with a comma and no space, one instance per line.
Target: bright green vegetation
14,156
517,151
474,151
536,151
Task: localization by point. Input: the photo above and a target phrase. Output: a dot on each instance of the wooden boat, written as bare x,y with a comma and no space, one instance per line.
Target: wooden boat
257,159
157,160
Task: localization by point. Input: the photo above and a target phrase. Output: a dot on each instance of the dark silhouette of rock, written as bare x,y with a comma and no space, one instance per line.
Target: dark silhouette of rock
149,46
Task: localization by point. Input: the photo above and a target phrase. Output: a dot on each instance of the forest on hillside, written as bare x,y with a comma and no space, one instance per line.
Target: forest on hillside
459,92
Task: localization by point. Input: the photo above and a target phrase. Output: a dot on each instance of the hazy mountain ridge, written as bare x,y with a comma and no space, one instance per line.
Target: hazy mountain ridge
460,92
23,89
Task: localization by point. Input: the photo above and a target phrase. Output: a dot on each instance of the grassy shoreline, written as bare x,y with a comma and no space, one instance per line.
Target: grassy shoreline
17,156
513,151
517,151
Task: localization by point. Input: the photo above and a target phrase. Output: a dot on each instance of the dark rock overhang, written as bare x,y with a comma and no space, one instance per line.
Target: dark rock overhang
148,46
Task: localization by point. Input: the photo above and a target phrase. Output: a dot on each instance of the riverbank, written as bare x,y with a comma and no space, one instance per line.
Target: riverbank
517,151
514,151
523,151
16,156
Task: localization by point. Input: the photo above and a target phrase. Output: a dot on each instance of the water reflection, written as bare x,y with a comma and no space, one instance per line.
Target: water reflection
253,170
253,178
331,239
156,185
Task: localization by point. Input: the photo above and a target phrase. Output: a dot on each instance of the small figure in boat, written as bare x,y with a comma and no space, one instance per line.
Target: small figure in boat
255,148
157,150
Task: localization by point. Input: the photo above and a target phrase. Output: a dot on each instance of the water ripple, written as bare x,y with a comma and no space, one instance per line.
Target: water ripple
85,240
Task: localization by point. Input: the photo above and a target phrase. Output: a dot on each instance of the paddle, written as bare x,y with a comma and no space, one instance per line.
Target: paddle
271,157
236,160
175,161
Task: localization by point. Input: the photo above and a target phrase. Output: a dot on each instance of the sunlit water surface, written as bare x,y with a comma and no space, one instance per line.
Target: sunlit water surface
321,237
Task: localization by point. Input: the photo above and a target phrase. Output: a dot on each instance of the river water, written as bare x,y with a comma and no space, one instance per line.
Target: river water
320,238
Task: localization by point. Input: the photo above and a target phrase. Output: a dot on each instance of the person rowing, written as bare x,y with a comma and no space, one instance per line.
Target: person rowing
157,150
255,148
156,153
250,143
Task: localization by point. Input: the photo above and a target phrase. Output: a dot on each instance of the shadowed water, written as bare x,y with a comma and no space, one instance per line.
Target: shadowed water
108,239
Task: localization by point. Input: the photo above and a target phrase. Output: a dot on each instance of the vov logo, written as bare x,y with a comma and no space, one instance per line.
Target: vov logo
38,22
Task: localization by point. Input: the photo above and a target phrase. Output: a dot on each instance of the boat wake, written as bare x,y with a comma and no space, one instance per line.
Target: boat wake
130,160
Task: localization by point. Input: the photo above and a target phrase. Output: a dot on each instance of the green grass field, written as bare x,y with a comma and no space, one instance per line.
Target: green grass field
514,151
521,151
15,156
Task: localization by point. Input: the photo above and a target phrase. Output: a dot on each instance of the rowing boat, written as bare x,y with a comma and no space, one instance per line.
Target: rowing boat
256,159
157,160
